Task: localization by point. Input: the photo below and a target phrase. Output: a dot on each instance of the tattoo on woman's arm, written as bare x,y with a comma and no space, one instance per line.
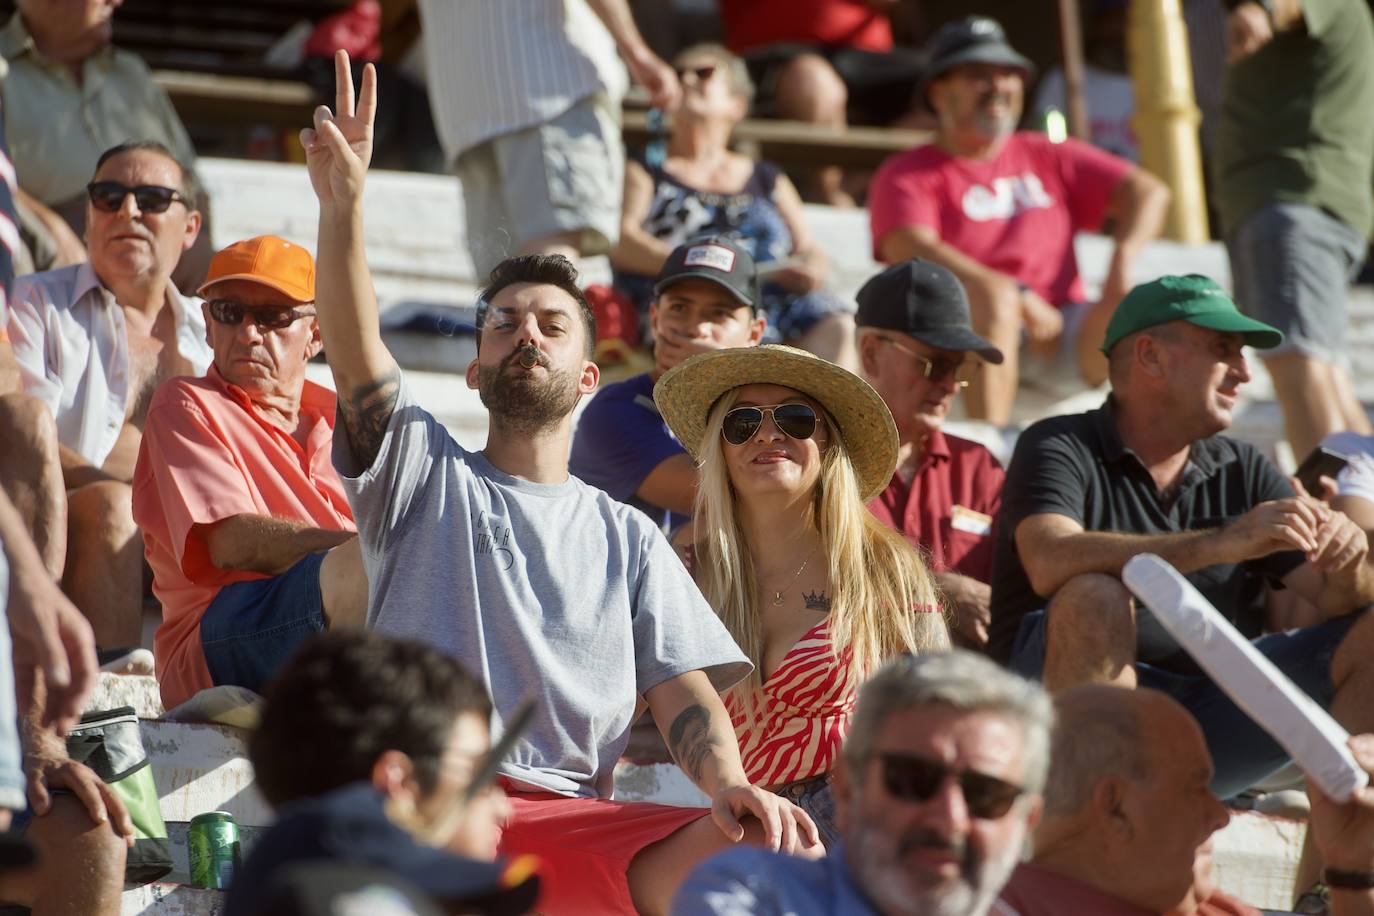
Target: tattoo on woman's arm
691,741
366,413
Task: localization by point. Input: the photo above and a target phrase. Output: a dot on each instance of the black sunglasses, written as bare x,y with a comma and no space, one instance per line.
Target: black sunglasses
918,779
795,420
151,198
702,73
266,317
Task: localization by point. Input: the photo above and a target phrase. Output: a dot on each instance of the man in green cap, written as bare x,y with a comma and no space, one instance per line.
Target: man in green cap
1149,472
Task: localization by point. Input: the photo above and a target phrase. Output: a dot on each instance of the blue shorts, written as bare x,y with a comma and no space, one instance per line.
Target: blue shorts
12,782
1242,752
251,628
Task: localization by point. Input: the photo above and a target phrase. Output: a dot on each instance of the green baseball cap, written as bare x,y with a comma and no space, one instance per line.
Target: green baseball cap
1192,298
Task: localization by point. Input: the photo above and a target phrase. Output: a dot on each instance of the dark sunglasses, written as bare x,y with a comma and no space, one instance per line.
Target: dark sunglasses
918,779
266,317
795,420
702,73
109,196
936,370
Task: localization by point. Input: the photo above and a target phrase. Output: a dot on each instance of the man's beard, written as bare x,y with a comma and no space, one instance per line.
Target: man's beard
522,402
896,888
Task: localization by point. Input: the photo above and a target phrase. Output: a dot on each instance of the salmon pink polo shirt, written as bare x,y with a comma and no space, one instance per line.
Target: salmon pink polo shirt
950,507
208,454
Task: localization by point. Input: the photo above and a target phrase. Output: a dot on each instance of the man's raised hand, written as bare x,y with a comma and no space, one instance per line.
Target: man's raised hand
338,148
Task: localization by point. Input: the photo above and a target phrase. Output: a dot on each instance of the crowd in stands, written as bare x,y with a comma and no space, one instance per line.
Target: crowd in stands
894,669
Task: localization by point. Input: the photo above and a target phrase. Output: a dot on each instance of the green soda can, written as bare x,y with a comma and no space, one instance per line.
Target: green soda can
213,844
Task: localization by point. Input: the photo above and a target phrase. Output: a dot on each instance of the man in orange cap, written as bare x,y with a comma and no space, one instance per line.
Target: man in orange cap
246,526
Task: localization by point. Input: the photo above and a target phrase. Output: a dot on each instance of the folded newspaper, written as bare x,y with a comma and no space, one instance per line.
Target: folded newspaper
1307,732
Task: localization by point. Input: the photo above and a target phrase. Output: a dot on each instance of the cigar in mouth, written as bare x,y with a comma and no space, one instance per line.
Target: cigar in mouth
529,356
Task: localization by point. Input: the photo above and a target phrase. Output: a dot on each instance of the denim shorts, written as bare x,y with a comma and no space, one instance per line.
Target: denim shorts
251,628
816,798
1242,752
12,781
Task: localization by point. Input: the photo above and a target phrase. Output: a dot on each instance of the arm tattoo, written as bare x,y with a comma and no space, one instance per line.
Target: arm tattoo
690,740
366,413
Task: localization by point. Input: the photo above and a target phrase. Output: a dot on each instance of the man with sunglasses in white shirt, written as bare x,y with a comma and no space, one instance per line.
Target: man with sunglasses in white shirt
918,350
248,531
92,341
936,791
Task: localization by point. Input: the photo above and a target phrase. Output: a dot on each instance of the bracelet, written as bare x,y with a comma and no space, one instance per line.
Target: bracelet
1348,880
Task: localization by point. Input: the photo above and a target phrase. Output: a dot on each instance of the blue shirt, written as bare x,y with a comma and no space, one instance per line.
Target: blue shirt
620,439
748,881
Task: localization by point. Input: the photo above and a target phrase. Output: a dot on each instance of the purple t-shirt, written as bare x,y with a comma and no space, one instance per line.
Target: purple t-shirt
620,439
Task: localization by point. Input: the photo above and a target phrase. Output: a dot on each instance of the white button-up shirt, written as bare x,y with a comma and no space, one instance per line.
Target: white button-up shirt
72,346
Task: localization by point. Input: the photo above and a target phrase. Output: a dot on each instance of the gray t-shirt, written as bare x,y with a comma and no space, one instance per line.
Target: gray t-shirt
553,590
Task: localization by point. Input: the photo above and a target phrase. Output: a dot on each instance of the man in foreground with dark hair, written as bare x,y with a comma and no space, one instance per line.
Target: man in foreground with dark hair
531,578
378,771
91,342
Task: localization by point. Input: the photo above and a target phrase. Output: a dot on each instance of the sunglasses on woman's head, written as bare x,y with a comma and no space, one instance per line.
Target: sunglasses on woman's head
797,421
266,317
701,73
918,779
108,196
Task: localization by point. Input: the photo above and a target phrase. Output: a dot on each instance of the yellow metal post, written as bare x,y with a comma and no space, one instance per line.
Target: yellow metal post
1166,115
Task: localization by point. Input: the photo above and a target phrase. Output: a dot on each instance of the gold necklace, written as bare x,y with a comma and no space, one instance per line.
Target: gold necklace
777,596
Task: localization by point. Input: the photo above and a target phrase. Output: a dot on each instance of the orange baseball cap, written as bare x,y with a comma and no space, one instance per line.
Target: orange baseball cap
268,260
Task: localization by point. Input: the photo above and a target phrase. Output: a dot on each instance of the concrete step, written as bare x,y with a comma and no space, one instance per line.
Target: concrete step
171,899
200,768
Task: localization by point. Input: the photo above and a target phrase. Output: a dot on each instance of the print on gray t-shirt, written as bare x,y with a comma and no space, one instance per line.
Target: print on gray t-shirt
555,590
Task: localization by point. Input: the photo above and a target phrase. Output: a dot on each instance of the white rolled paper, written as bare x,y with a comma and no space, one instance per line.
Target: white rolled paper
1306,731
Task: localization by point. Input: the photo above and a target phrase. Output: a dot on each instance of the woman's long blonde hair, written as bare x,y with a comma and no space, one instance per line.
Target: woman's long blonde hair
885,601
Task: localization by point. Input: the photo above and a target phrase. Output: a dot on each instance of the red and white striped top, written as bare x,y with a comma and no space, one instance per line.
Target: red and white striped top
803,714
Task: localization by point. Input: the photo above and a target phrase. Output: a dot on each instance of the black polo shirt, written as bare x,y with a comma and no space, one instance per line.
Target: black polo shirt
1077,466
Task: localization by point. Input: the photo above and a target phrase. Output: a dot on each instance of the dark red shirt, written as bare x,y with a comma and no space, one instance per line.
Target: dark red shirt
753,24
1035,891
951,506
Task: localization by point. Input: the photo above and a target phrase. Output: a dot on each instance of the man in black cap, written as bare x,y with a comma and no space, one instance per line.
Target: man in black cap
707,298
918,350
1000,209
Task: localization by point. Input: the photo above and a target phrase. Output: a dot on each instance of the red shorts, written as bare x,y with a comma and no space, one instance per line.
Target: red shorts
586,845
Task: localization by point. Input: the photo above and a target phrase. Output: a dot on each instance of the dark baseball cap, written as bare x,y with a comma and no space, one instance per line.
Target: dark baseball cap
1192,298
717,258
926,301
971,40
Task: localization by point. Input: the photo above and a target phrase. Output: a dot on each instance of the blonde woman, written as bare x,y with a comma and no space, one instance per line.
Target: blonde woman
816,591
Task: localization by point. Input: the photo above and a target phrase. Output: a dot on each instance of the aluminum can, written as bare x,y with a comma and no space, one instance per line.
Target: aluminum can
213,846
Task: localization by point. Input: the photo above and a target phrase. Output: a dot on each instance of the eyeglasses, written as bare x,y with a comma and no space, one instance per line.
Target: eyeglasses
108,196
701,73
795,420
937,370
266,317
918,779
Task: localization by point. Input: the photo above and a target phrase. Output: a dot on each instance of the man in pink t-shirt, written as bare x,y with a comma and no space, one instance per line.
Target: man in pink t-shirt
1000,209
246,527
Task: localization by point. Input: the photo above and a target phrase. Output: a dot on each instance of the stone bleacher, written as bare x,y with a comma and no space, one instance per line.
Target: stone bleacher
416,248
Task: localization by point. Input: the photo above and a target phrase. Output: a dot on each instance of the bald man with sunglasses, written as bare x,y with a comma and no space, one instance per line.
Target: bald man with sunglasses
91,342
246,525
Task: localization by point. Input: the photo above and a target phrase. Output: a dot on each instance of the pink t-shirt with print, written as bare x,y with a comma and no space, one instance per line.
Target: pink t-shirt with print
1016,212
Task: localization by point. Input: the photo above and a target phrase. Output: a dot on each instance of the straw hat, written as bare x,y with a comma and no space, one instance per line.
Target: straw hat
687,392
